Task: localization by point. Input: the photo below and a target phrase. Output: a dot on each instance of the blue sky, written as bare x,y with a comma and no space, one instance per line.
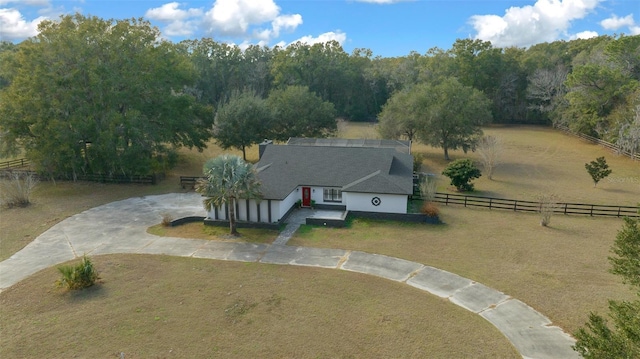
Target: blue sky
387,27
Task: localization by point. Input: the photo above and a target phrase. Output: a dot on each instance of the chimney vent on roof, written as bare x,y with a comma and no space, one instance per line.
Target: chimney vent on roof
262,146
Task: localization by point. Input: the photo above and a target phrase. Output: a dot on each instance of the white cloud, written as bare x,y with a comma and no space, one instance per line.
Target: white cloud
338,36
169,13
13,26
614,22
234,17
585,35
26,2
246,18
545,21
179,22
286,22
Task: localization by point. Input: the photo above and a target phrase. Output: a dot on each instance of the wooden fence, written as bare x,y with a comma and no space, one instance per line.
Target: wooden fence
142,179
20,162
189,181
610,146
530,206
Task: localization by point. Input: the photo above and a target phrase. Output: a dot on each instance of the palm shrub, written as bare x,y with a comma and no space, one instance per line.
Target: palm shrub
80,276
228,179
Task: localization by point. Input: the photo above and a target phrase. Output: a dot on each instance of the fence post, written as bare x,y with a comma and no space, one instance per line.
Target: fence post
465,201
565,208
618,212
515,206
446,201
591,211
490,200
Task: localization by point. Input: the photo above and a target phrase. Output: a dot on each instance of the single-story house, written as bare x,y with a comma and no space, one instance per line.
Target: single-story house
352,176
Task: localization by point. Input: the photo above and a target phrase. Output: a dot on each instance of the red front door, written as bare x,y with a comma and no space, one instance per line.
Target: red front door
306,196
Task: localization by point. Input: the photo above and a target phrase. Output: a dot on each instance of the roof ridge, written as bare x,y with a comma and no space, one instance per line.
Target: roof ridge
260,169
360,180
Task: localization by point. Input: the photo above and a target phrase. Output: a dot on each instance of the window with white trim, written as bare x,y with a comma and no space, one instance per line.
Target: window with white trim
332,195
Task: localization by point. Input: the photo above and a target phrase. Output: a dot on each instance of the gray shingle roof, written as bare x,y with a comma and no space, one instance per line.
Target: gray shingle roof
282,168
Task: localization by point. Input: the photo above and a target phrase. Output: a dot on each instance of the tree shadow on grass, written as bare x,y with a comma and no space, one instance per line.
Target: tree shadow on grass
96,291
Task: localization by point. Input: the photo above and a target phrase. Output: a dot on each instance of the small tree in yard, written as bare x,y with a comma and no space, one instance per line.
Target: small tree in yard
490,150
598,169
597,340
461,172
228,178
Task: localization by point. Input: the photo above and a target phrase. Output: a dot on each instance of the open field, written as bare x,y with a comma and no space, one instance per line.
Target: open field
536,160
171,307
560,271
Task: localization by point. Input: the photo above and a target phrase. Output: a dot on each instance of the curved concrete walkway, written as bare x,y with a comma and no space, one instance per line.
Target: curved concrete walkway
120,227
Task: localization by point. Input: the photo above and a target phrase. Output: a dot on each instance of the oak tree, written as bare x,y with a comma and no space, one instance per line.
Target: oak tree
89,95
242,121
298,112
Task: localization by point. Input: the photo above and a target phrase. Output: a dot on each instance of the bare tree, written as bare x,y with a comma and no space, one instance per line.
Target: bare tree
629,135
490,149
548,205
546,88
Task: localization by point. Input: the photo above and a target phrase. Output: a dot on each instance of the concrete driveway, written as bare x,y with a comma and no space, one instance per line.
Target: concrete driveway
120,227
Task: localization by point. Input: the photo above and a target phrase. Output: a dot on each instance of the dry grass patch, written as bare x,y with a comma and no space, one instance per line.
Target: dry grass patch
200,231
535,160
158,306
560,270
190,162
539,160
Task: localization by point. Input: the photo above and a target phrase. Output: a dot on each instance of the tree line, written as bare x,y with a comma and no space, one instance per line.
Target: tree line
88,95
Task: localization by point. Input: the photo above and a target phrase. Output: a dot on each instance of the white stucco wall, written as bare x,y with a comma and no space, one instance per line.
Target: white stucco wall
389,203
241,215
287,203
254,206
353,201
221,213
